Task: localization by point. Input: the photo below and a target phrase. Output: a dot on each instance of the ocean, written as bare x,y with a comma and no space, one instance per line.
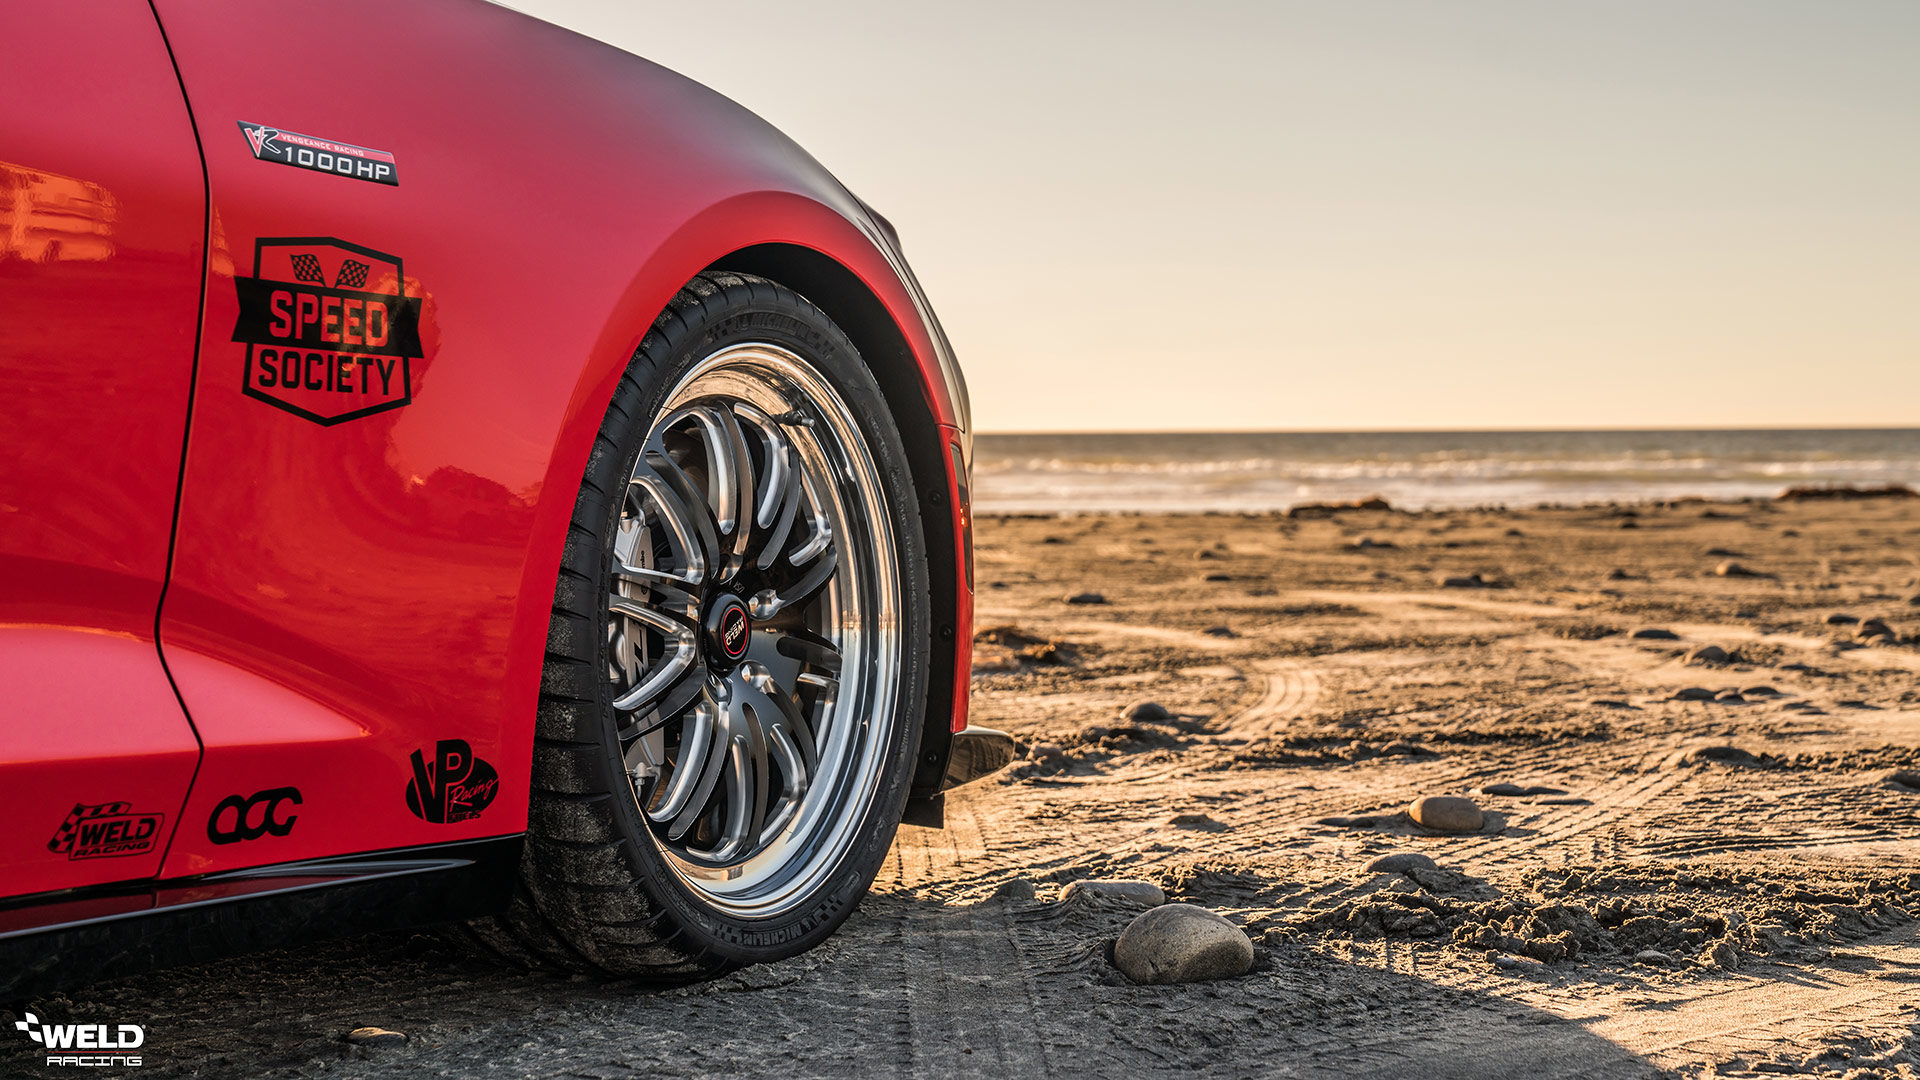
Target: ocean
1423,470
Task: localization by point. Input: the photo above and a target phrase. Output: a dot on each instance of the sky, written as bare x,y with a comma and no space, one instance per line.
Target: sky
1367,214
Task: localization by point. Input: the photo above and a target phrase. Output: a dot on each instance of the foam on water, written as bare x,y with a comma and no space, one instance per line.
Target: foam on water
1423,470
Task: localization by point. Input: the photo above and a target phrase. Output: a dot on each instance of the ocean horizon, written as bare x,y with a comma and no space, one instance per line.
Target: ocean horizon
1424,470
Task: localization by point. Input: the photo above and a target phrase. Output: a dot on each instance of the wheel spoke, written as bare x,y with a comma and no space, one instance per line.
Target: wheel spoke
663,483
682,651
691,769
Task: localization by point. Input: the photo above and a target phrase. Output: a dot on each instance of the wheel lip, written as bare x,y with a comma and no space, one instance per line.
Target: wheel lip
786,873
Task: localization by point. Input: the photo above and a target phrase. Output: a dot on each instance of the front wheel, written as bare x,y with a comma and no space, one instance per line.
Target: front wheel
737,665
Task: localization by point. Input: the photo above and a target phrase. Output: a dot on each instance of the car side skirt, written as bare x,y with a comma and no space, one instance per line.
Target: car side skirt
65,939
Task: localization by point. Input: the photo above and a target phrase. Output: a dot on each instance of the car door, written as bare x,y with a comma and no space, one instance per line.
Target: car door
102,227
354,513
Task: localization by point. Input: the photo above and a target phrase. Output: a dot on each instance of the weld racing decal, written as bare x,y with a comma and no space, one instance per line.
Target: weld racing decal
106,830
455,786
320,155
328,329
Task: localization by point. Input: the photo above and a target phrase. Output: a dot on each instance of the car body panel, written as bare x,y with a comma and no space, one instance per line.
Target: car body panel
102,231
347,595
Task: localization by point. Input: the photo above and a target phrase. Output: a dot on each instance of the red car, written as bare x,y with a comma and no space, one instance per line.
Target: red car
453,470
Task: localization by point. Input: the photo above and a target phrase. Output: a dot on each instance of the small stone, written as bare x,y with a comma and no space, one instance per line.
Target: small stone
1654,633
1730,697
1725,753
1509,962
1045,752
1734,569
1177,943
1508,790
1146,712
1218,577
1906,778
1842,619
1368,543
373,1036
1693,693
1629,523
1875,628
1515,532
1722,955
1914,600
1718,553
1086,598
1197,821
1203,553
1016,889
1137,893
1053,539
1399,862
1653,958
1400,748
1447,813
1706,654
1760,691
1468,581
1219,631
1617,574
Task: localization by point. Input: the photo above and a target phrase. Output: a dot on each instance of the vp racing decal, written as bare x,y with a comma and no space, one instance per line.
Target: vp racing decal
328,329
454,786
106,830
320,155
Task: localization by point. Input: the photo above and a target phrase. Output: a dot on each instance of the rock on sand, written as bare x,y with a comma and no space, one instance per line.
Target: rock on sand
1447,813
373,1036
1179,943
1400,862
1654,633
1137,893
1706,654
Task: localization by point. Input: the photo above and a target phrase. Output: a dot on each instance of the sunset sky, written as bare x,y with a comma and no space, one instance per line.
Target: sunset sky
1368,213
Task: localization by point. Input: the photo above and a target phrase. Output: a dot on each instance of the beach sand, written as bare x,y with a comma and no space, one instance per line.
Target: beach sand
1320,678
1703,888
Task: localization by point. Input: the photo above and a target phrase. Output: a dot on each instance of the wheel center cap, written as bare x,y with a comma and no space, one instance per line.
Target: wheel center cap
728,630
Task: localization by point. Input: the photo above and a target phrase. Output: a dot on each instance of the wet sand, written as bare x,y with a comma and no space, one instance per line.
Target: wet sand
1683,887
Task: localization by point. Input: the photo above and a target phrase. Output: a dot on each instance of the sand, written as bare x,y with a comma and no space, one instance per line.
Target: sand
1667,886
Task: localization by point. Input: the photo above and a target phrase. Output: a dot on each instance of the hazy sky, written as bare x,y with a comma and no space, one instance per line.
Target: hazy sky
1368,213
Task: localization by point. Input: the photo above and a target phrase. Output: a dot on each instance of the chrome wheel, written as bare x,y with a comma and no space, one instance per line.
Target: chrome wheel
753,644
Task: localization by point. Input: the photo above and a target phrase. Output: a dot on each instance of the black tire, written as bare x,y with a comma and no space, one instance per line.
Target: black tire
596,892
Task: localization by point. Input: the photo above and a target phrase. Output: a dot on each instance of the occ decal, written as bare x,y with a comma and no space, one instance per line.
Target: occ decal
106,830
330,333
320,155
250,817
455,786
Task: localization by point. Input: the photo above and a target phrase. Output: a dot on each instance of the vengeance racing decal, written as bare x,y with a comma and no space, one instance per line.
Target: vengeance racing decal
250,817
320,155
455,786
106,830
327,352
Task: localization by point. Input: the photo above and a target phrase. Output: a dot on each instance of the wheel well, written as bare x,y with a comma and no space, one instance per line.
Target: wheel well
857,311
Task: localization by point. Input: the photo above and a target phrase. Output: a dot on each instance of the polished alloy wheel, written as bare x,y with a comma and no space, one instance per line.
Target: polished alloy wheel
753,640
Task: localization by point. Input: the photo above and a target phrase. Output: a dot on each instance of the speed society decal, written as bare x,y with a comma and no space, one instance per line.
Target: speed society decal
329,329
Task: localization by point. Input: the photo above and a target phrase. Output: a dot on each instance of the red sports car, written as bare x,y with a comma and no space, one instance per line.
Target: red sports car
452,469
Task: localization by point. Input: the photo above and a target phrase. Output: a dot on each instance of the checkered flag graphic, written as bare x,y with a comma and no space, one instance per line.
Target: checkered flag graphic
307,268
70,828
353,275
